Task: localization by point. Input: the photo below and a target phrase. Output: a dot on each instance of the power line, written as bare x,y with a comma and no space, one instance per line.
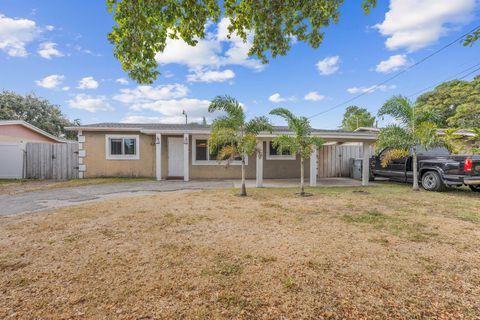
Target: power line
396,75
453,77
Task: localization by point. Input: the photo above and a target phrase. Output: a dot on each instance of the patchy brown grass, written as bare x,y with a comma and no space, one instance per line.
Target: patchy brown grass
13,186
340,254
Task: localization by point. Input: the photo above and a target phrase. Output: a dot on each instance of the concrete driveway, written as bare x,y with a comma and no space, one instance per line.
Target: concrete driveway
54,198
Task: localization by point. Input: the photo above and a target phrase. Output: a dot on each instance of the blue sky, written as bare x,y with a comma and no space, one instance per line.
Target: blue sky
59,50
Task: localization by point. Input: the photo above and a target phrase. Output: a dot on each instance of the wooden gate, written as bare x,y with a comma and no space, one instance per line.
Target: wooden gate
57,161
334,160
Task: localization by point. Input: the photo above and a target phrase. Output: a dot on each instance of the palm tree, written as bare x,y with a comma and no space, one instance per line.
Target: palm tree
301,142
412,129
232,137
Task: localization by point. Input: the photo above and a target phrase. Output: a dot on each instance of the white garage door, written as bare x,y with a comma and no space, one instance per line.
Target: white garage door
11,161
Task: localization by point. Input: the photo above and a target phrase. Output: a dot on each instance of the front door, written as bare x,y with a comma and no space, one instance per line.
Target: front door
175,157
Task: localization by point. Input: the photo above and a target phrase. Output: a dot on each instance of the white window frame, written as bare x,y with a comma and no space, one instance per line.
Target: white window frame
210,162
109,156
278,156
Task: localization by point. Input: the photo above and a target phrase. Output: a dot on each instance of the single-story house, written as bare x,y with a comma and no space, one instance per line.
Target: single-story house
165,151
14,136
18,131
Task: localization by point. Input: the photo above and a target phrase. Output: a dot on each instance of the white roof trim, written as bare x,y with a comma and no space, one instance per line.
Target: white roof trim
31,127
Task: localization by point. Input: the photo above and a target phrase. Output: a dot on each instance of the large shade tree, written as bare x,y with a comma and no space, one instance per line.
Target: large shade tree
234,138
457,103
36,111
301,142
143,27
411,129
356,117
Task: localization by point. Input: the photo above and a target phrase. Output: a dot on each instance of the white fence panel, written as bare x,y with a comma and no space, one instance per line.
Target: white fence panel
11,161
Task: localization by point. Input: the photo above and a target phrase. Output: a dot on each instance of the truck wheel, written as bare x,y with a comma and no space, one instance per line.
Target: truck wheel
475,188
431,181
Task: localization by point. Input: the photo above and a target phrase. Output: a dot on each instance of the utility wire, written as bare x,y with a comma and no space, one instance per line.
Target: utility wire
397,74
449,78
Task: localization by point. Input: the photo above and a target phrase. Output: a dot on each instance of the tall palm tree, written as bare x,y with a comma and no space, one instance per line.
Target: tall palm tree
233,137
411,129
301,142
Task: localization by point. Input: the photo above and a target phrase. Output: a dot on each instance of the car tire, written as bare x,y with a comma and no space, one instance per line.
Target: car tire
475,188
431,181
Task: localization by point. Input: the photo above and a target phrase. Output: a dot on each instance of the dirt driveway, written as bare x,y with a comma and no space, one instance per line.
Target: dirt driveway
54,198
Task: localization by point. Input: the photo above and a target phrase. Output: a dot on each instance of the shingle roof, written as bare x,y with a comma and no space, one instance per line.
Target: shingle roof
173,126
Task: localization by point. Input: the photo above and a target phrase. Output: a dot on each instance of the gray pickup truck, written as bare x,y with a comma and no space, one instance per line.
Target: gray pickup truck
437,168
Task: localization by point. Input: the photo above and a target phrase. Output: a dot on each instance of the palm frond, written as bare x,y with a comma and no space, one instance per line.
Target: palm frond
394,136
229,105
257,125
399,108
284,113
426,136
287,143
228,153
392,154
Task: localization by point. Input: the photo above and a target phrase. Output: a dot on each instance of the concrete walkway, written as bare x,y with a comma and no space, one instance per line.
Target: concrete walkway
63,197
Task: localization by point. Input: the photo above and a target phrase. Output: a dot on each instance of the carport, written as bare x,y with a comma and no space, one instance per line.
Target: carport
363,141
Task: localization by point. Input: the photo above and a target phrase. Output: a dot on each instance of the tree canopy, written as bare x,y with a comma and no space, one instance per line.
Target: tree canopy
356,117
457,103
143,27
36,111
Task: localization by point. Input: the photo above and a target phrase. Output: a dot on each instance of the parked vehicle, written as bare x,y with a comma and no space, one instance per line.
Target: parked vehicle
437,169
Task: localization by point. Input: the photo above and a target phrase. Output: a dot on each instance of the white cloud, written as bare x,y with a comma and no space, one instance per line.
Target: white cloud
16,34
213,52
414,24
90,103
313,96
122,81
210,76
66,88
392,64
87,83
143,94
50,82
171,110
371,89
328,66
49,28
47,50
277,98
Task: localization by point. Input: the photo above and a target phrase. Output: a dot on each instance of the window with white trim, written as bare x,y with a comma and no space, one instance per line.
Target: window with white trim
274,154
122,147
202,155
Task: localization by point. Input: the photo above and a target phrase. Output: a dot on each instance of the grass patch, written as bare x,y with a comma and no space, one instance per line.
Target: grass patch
398,226
225,266
469,216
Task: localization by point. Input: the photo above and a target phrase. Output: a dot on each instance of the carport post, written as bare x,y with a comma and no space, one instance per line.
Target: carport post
260,155
313,167
185,157
158,156
365,163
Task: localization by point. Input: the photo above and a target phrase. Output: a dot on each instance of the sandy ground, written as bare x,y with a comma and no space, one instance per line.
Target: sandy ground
343,253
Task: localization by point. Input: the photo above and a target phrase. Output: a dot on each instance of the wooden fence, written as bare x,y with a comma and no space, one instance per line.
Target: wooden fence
57,161
334,160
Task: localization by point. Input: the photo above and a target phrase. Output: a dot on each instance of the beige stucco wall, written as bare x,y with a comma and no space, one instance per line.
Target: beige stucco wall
98,166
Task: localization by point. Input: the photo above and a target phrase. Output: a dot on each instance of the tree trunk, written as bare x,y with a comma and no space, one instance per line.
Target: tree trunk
415,169
243,192
302,169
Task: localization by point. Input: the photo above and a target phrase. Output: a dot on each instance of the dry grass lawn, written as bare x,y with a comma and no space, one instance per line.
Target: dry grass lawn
344,253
